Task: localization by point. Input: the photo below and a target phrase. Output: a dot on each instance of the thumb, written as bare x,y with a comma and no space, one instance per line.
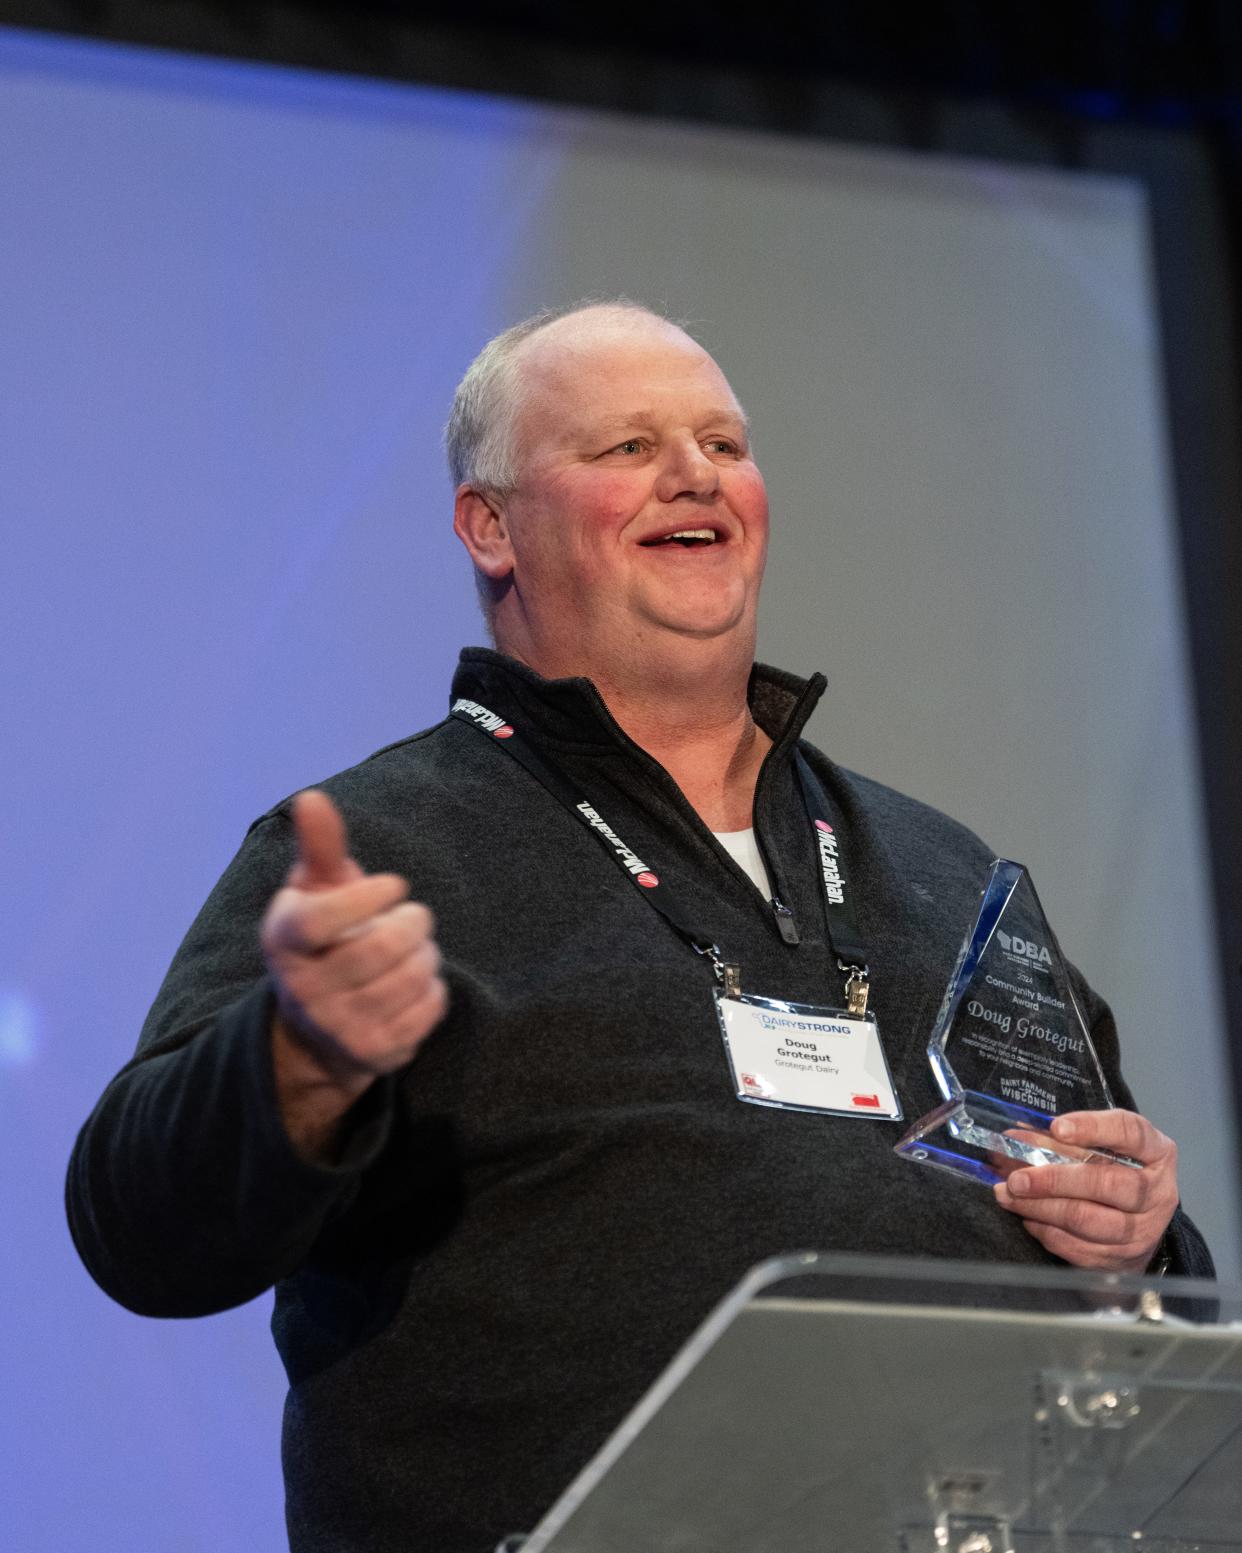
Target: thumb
323,847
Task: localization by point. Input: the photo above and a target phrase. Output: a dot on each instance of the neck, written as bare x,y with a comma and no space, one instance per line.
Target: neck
694,719
712,753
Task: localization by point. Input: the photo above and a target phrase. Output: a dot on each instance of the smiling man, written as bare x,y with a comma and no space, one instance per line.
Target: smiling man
499,1167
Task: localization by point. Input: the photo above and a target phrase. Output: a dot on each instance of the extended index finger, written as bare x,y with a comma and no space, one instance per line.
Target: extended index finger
1122,1132
1114,1186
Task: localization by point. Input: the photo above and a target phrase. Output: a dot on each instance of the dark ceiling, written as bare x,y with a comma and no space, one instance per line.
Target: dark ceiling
1171,61
1162,57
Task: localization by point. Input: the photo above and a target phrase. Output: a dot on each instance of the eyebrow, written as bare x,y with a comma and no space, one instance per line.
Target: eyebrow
720,416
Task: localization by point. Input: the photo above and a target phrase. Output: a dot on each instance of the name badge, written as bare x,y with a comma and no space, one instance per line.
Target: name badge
803,1058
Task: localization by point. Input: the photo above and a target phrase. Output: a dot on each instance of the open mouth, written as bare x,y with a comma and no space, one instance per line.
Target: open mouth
686,538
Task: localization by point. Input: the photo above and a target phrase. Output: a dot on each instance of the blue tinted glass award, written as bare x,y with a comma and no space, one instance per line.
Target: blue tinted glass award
1010,1049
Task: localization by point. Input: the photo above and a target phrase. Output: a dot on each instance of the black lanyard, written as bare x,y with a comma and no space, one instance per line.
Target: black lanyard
843,936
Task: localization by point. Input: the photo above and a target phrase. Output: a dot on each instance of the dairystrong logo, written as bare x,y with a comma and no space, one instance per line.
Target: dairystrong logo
486,720
834,885
1024,947
631,860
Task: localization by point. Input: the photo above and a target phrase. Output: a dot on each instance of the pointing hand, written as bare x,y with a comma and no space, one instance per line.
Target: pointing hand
355,968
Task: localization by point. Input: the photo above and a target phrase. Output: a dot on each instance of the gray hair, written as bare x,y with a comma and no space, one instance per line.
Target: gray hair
478,439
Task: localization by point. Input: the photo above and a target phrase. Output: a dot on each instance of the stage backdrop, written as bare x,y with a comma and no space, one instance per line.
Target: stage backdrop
234,302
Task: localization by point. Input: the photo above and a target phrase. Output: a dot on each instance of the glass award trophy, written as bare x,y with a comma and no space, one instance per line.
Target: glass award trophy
1010,1049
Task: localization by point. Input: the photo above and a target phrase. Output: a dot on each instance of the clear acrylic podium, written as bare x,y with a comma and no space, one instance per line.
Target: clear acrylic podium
848,1404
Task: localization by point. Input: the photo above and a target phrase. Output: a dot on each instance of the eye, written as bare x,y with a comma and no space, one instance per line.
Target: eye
722,445
630,445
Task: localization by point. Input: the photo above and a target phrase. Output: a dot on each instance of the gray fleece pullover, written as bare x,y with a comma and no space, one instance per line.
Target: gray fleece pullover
529,1220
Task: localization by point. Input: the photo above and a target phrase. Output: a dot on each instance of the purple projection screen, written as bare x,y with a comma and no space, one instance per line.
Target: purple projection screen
234,301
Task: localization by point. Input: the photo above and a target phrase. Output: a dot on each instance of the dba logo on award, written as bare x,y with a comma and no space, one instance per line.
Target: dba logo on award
1023,946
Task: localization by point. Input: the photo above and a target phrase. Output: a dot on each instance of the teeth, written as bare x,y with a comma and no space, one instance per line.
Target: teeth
694,533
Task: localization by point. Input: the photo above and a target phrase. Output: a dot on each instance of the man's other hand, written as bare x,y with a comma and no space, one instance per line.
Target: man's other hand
356,972
1098,1214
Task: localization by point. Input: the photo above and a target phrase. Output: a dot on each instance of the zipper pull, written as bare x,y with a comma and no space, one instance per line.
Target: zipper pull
785,923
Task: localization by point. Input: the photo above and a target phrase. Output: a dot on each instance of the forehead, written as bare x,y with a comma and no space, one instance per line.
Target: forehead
584,369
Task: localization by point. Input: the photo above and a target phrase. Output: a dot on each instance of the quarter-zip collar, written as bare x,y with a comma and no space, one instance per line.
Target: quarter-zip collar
570,714
568,718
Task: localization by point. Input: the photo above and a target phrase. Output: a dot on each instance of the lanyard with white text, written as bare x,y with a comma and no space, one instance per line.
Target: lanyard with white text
842,921
845,941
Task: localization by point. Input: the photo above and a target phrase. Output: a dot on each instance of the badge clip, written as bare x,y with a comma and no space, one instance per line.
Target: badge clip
857,990
728,975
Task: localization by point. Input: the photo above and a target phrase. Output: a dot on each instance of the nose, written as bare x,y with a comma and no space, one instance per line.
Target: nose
687,471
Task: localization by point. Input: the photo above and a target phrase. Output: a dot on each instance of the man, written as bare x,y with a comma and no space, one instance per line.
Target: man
497,1191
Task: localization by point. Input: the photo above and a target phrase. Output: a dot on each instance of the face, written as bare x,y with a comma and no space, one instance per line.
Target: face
639,522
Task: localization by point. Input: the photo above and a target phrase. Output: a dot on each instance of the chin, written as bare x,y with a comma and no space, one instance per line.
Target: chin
706,618
703,626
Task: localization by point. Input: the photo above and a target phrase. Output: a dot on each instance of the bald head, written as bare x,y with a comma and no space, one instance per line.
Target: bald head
481,435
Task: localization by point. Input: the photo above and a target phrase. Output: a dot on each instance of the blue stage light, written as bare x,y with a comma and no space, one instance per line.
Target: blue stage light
18,1029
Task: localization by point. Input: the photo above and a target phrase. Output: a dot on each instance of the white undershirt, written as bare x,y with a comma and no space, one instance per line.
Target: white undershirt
744,850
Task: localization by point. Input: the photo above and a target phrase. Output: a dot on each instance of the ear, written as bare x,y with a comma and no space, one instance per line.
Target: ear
479,522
